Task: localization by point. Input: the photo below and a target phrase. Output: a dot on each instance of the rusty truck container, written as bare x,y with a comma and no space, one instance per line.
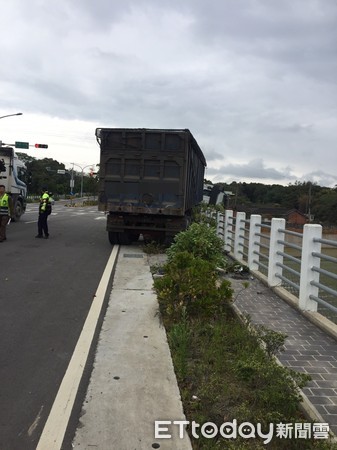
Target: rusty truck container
150,180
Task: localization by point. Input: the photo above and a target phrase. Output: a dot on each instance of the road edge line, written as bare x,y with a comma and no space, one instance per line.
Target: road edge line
55,427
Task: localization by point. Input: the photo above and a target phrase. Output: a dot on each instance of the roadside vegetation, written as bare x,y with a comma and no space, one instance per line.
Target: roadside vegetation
225,370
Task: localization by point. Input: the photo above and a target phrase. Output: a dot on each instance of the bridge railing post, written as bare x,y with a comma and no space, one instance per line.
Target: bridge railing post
254,242
239,235
220,225
276,247
309,246
228,231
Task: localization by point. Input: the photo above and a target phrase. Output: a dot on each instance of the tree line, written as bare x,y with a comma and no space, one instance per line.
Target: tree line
44,173
306,197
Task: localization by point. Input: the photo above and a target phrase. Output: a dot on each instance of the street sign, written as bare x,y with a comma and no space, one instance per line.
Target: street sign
72,183
21,144
61,171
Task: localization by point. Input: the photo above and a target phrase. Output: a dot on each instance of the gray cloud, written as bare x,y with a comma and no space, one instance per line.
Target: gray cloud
321,178
254,170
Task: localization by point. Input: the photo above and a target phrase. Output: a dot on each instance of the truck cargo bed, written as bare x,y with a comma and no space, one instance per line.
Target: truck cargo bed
149,172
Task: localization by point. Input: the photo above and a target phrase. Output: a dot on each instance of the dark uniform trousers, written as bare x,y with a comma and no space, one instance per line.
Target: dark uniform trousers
42,224
3,222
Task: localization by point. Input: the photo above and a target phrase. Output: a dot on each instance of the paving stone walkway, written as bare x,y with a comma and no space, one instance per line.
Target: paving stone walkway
307,349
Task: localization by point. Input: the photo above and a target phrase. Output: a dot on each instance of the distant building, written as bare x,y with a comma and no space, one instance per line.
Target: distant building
292,217
295,217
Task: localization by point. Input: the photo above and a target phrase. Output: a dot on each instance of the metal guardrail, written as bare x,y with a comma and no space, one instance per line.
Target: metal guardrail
293,260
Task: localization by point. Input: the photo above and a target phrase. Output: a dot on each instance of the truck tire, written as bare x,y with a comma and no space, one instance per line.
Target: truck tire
113,238
124,238
18,211
134,237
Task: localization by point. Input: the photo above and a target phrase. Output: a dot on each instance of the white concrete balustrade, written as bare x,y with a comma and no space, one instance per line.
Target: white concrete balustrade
252,243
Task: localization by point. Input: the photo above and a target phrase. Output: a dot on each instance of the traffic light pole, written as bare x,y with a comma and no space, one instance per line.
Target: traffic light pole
82,174
10,115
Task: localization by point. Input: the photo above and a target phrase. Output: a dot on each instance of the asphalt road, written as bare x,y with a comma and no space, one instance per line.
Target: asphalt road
46,290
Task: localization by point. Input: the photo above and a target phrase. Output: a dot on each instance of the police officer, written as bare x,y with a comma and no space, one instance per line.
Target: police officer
42,224
6,211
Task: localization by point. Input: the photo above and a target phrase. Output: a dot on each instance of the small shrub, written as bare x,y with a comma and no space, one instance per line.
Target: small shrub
190,284
272,341
157,269
201,241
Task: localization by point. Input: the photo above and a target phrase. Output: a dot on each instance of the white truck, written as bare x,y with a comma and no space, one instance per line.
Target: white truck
12,174
213,195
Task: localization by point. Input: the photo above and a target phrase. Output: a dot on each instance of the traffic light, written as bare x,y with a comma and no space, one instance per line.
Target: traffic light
41,146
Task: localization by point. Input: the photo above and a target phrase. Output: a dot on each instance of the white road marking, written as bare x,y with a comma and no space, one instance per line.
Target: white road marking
55,427
31,429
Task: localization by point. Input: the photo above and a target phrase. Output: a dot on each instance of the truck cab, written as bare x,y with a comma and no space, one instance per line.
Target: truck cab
12,174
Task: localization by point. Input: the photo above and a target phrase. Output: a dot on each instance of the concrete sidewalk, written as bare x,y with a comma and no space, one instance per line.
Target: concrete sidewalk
133,382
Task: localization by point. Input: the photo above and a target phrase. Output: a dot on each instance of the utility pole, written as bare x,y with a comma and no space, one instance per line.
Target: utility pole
309,202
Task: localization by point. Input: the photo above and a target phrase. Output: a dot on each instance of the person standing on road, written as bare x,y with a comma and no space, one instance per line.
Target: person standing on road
42,224
6,211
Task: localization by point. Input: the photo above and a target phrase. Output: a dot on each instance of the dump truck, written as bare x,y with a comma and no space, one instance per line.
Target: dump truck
149,182
12,173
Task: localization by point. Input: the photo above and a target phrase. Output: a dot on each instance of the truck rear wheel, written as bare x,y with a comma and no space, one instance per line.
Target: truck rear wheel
124,238
134,237
113,238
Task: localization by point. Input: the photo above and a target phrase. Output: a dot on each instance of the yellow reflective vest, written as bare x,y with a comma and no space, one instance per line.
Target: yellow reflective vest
43,201
4,205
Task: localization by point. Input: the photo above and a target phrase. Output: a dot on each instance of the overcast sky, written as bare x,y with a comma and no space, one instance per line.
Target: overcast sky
254,80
